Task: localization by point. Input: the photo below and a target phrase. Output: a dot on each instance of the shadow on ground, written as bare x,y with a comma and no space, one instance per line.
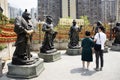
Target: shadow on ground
84,72
4,77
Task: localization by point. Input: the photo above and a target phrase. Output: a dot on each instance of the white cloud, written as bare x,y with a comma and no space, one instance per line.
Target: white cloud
23,4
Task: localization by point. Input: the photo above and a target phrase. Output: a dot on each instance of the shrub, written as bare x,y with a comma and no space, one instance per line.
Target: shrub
2,47
12,21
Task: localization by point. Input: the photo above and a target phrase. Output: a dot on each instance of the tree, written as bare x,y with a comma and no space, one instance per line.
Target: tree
3,19
86,21
11,21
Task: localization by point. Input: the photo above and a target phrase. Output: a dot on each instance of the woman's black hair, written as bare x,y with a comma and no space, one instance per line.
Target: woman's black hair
87,33
102,28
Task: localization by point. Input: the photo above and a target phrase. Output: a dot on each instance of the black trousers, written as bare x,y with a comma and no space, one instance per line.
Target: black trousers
99,54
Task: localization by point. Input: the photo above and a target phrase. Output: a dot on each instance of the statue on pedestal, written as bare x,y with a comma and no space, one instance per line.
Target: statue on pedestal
50,34
74,36
24,30
116,31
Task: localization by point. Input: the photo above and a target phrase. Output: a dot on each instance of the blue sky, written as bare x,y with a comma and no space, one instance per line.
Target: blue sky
23,4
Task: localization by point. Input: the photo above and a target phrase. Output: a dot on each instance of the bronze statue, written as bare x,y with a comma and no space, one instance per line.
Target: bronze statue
24,29
116,31
74,35
50,34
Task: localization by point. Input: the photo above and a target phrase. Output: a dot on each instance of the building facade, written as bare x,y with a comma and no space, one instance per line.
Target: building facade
70,8
89,8
14,12
33,13
118,11
108,10
4,6
49,7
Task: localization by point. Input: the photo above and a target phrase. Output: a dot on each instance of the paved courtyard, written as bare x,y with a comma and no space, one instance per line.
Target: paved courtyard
70,68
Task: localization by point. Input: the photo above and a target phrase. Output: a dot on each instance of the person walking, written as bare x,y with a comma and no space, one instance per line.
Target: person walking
100,39
87,50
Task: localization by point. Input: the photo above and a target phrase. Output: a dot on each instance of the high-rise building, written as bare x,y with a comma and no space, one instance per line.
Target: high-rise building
57,8
89,8
14,12
70,8
33,13
108,10
49,7
34,17
118,11
20,12
64,8
4,6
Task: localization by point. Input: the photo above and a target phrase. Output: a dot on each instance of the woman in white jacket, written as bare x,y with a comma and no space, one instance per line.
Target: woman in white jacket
100,39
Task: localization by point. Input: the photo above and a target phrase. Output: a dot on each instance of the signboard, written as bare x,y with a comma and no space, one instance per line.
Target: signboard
66,21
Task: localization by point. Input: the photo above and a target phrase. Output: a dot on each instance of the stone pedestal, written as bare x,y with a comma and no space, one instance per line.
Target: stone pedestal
105,50
50,57
25,71
1,69
115,47
2,64
73,52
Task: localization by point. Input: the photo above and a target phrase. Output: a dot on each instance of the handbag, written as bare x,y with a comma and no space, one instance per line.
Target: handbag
97,47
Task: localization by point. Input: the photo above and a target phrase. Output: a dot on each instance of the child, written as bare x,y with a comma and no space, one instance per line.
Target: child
87,50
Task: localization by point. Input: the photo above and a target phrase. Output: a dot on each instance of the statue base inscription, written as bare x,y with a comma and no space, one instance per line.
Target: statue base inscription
50,57
73,51
25,71
115,47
